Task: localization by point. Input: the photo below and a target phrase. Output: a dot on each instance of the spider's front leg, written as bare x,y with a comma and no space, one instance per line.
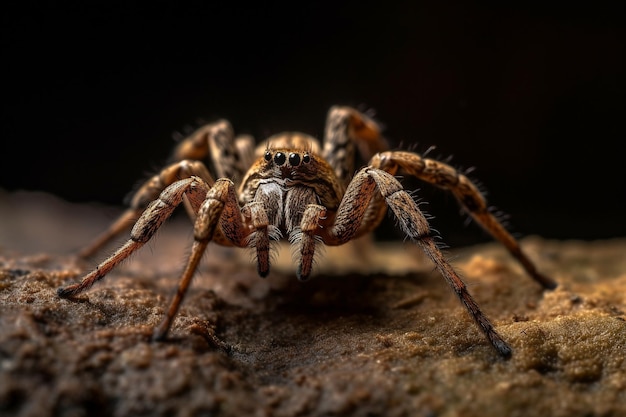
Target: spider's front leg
349,223
220,208
468,195
214,205
145,227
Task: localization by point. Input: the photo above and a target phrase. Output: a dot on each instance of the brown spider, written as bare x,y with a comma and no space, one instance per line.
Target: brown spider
297,190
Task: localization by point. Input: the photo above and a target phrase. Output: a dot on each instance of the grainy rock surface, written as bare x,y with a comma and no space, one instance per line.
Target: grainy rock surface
375,333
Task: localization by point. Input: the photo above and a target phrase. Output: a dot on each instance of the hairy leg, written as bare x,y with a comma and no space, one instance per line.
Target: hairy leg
348,130
152,218
215,143
349,220
219,207
468,195
148,192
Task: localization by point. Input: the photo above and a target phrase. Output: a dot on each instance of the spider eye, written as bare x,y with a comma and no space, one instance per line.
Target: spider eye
306,158
279,158
268,156
294,159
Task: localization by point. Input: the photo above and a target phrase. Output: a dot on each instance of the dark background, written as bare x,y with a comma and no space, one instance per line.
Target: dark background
530,95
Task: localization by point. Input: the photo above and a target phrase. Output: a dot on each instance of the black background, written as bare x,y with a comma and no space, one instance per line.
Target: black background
530,95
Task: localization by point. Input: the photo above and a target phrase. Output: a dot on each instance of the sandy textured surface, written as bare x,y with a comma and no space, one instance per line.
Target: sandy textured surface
375,333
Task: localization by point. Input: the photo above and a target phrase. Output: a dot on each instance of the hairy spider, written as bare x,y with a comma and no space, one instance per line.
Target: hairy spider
296,189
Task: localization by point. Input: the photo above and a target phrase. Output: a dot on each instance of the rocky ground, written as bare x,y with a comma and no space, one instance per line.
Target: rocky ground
376,333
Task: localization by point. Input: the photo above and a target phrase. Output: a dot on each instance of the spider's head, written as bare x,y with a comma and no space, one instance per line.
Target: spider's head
292,167
291,164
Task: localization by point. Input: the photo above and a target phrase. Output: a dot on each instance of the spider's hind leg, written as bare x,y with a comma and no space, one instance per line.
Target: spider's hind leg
348,131
213,144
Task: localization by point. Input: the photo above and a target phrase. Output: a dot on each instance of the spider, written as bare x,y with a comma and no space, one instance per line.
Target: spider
291,187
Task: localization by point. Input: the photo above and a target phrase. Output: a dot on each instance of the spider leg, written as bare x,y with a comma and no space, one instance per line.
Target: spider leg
145,227
347,130
219,208
216,143
349,220
148,192
468,195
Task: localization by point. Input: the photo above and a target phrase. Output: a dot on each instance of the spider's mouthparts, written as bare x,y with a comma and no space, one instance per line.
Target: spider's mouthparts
287,172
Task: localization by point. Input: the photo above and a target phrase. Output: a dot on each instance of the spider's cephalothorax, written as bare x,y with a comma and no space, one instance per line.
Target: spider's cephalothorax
286,183
291,187
293,170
